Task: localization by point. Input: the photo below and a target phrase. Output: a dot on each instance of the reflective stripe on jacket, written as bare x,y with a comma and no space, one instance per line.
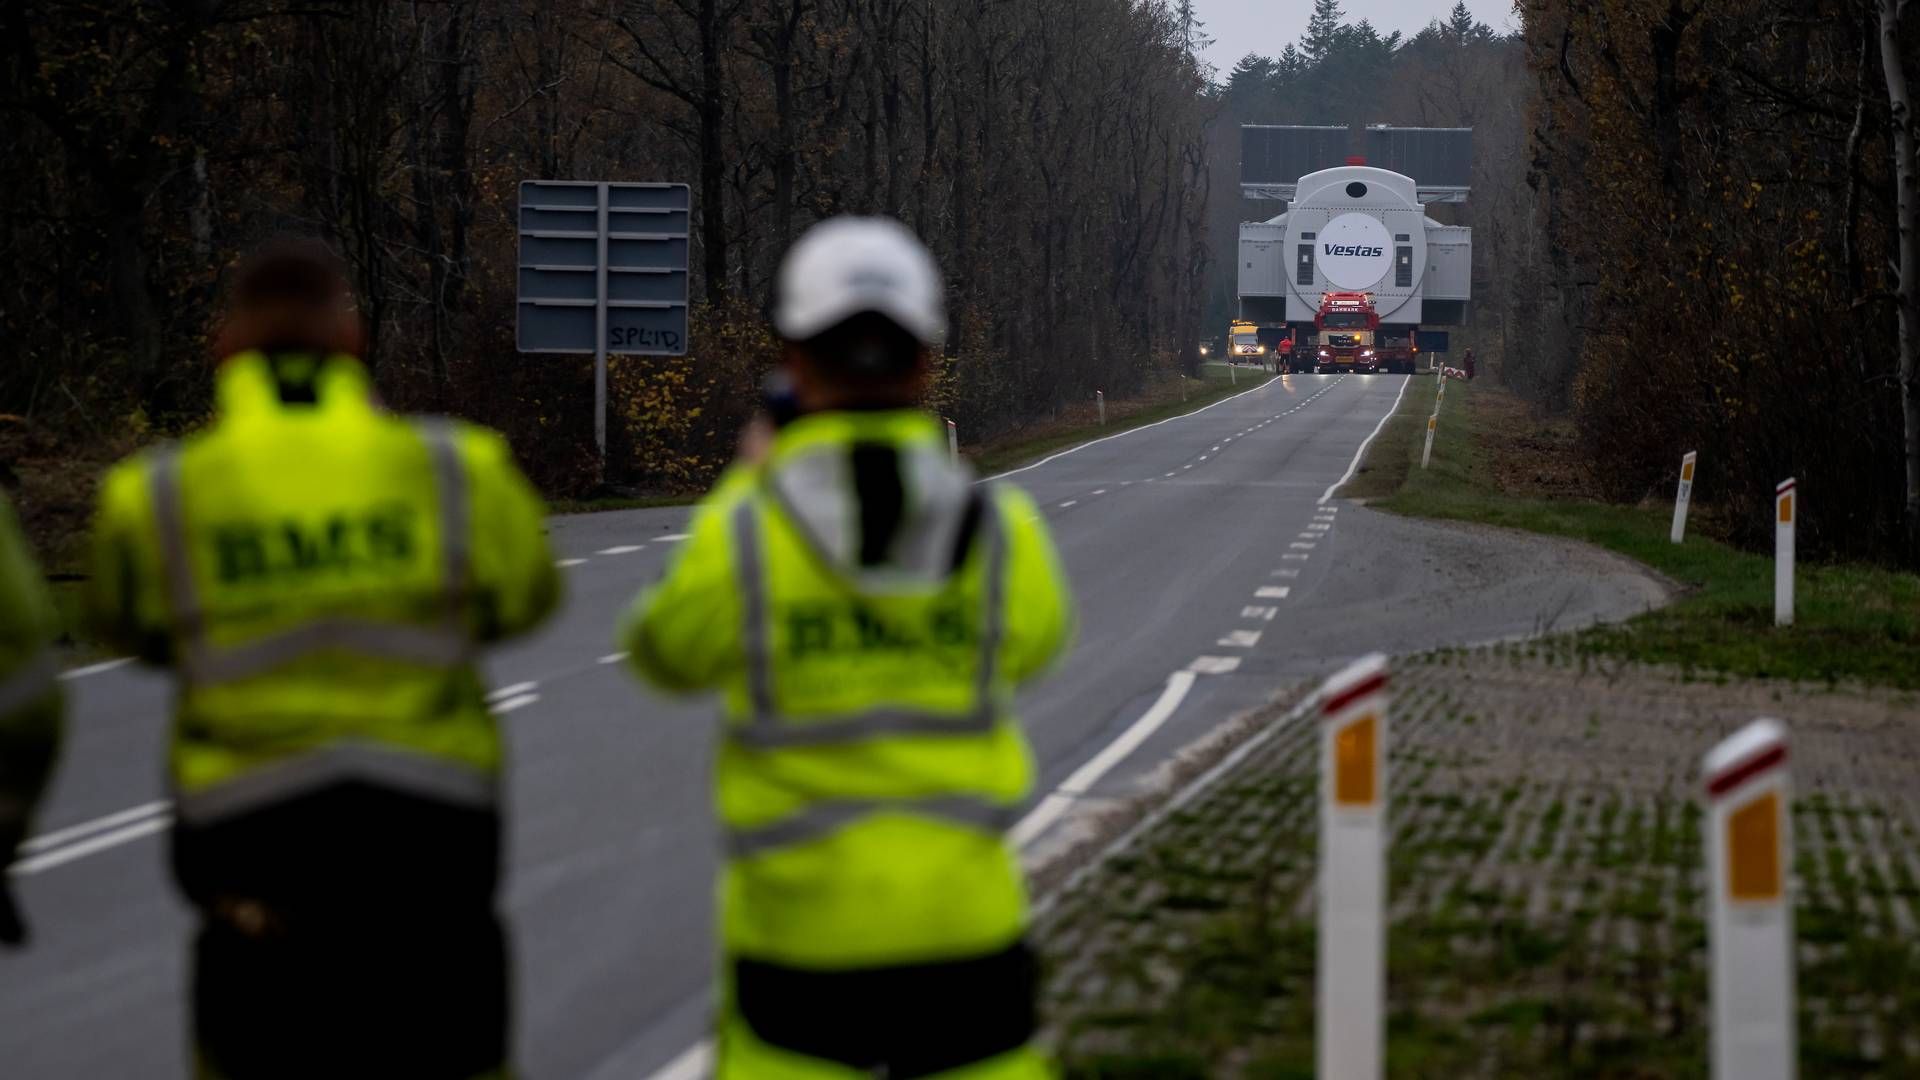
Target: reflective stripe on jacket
867,611
320,575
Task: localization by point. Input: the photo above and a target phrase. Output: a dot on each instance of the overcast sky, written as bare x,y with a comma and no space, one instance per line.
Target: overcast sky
1239,27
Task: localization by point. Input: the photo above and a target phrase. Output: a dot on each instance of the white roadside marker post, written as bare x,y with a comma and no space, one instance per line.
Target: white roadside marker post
1685,495
1427,454
1749,846
1785,507
1351,1029
1233,372
1100,399
953,440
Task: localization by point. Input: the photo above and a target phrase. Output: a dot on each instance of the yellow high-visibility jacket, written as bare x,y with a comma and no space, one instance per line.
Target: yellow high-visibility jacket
320,573
29,690
866,610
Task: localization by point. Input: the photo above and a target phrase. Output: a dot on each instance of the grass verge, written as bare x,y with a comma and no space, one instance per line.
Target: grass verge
1852,621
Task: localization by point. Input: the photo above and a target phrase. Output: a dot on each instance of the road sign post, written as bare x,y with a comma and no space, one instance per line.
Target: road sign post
1786,508
1685,494
1749,848
953,440
1433,422
1100,399
603,268
1351,1030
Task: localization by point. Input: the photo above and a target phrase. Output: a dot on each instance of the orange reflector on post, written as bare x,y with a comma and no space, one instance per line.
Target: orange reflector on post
1786,509
1355,763
1753,850
1686,468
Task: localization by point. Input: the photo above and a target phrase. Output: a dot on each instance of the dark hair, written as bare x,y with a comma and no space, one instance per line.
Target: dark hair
289,295
868,345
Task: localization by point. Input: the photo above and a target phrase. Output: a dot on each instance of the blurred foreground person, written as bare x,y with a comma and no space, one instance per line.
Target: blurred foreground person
867,609
321,575
29,703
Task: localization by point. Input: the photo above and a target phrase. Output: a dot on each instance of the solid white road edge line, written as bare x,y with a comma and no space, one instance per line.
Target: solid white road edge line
1044,815
1354,465
1130,431
74,832
84,848
96,669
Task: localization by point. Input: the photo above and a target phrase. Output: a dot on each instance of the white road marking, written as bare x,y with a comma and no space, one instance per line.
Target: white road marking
1309,536
1214,665
1354,465
514,690
1240,639
693,1063
100,668
672,536
99,824
1186,466
61,856
1216,450
1203,457
1272,592
1286,572
513,703
612,658
1130,431
564,563
1069,502
1257,611
1042,817
1298,545
1318,527
620,549
1169,474
1100,491
1295,555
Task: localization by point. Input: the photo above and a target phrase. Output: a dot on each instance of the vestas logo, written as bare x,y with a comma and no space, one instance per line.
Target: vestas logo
1352,252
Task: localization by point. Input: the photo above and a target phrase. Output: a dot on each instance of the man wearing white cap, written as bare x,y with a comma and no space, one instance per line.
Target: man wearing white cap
866,609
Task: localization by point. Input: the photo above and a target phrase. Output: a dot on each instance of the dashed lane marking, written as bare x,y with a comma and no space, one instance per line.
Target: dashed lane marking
513,703
1069,502
1272,592
565,563
1286,572
1258,611
1295,555
612,658
670,537
1299,545
621,549
1214,665
1240,639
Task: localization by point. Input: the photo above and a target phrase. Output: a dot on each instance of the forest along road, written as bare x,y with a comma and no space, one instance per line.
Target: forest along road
1203,545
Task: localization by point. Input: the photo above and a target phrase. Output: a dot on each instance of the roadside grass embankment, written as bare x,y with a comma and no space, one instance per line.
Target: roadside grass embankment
1495,464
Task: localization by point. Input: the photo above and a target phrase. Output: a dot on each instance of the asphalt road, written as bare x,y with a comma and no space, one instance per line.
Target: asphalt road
1199,545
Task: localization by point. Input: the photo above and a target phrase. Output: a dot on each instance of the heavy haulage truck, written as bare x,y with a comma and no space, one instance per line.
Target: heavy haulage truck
1354,271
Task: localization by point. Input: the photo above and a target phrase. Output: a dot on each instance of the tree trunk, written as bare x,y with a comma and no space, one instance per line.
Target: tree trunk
1907,213
713,164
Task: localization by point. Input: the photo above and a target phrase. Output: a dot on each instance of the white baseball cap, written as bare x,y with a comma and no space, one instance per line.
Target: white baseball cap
846,266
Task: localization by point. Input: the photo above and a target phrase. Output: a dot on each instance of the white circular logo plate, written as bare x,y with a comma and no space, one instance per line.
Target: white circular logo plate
1353,251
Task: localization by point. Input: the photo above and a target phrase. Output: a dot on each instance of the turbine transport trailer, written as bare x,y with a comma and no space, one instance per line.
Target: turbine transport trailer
1355,266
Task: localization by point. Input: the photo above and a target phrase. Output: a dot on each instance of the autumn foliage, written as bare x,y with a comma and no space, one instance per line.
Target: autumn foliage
1716,185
